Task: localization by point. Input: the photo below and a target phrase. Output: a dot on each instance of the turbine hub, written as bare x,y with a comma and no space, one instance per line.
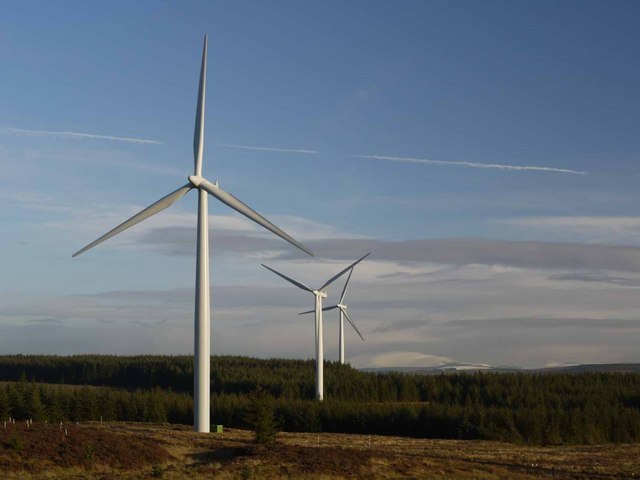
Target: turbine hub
341,305
195,180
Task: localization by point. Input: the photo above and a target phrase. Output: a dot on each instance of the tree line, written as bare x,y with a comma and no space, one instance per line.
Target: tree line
514,407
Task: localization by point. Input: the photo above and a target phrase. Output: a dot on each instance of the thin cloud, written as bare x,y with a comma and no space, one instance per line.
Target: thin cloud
80,136
479,251
612,223
597,277
487,166
177,240
269,149
158,169
547,322
591,229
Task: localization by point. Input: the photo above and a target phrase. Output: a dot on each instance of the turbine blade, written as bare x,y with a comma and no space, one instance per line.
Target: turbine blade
245,210
353,324
291,280
324,309
164,202
335,277
344,289
198,134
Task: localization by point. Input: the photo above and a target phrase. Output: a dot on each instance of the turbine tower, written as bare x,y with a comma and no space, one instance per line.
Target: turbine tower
319,295
202,347
342,308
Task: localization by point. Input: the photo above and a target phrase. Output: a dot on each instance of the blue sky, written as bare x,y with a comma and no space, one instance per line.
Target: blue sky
399,107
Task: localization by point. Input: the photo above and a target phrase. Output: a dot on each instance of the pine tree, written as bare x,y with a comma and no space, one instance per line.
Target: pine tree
154,410
107,406
5,411
87,404
54,408
16,402
34,409
260,416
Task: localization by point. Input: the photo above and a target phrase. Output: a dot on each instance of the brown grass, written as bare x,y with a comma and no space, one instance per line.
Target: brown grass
130,451
44,446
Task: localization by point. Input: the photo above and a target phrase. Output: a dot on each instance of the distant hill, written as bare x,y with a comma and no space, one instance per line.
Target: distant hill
444,368
593,367
480,367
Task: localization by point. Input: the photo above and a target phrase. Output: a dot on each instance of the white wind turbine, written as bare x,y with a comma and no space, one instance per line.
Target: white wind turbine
342,308
202,348
319,295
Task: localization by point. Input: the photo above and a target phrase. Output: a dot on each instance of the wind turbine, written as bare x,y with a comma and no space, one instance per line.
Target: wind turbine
342,308
319,295
202,347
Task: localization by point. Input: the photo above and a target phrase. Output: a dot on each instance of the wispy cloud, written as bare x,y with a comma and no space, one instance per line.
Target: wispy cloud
178,240
487,166
546,322
157,169
79,136
591,229
604,222
269,149
598,277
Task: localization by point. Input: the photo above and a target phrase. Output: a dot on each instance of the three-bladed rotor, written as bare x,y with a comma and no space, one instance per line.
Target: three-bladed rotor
302,286
197,181
340,305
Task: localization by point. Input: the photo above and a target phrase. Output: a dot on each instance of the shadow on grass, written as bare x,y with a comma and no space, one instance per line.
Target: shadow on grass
220,455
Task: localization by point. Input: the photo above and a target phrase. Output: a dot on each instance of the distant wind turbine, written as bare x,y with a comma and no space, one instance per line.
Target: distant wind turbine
202,347
342,308
319,294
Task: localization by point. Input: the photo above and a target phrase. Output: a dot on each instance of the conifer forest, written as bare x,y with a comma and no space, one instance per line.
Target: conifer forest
530,408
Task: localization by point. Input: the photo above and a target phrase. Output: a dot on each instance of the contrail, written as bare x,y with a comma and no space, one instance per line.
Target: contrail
423,161
77,135
498,166
269,149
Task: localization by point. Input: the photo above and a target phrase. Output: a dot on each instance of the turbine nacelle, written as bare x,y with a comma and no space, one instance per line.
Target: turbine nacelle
320,294
199,181
196,180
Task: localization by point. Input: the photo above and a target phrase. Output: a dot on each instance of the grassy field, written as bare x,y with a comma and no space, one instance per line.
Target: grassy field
119,450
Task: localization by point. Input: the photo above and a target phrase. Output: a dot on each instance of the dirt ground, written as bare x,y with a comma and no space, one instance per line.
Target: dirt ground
135,451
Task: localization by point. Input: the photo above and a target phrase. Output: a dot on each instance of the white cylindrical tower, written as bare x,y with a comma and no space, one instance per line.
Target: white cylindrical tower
319,349
341,337
202,347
